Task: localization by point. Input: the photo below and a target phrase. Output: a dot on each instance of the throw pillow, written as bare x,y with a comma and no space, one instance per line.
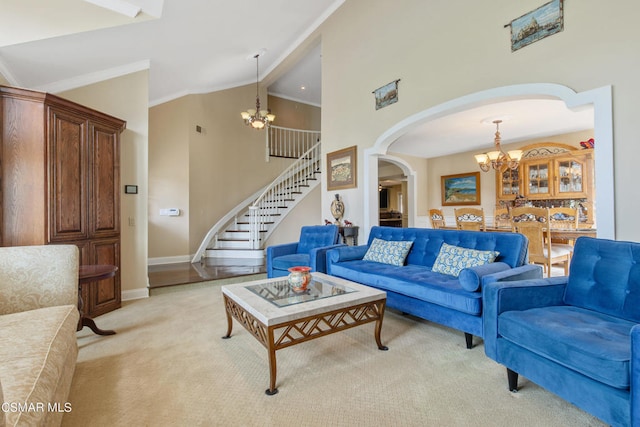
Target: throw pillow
388,251
452,260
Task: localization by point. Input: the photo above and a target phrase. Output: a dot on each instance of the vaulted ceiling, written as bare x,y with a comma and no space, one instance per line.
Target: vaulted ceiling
198,46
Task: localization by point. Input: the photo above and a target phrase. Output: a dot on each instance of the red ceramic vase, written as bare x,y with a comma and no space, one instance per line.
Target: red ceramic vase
299,278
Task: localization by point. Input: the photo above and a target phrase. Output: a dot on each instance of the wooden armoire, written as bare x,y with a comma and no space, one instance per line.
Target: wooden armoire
60,182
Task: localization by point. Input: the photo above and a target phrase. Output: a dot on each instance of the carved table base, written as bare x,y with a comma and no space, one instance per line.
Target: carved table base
290,333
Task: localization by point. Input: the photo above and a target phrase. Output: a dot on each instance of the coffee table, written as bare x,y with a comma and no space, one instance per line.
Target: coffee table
278,317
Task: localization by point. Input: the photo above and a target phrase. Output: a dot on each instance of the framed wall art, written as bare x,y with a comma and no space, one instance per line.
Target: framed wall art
542,22
386,95
461,189
342,169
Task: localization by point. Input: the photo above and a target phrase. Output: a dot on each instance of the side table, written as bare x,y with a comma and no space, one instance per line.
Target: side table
352,232
91,274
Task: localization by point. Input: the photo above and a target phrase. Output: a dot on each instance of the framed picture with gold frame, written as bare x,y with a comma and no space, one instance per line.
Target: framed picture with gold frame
342,169
460,189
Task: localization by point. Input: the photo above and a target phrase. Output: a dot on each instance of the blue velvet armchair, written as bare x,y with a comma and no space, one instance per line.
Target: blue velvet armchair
310,250
576,336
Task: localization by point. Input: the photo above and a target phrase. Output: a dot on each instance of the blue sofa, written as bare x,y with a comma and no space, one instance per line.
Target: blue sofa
309,251
415,289
576,336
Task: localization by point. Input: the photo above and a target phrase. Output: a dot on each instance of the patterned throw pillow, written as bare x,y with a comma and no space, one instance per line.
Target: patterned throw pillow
453,259
388,252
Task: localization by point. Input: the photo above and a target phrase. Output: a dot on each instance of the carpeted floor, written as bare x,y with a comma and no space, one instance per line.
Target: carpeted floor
168,366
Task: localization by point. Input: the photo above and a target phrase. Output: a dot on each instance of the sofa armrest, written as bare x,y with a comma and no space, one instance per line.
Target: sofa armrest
524,272
318,257
279,250
635,375
498,297
474,278
33,277
345,253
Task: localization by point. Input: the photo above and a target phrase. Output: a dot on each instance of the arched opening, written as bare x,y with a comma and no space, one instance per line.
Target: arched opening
410,194
599,99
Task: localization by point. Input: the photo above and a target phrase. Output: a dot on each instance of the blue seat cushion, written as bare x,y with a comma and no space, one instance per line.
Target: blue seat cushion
416,281
594,344
285,262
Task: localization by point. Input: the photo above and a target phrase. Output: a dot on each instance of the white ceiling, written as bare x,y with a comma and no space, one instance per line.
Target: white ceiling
194,46
473,129
199,46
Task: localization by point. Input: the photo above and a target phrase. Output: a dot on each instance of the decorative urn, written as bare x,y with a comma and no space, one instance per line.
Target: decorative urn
299,278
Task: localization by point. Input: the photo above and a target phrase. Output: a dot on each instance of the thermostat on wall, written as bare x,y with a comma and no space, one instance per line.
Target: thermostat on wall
131,189
170,212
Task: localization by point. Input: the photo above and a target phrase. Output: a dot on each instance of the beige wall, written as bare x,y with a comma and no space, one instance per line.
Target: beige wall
127,98
206,174
295,115
445,50
169,178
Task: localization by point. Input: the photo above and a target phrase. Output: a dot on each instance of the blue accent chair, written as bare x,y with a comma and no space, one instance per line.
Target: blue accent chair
310,251
576,336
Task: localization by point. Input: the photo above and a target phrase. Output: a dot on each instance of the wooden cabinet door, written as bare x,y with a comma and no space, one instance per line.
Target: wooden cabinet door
508,183
538,179
67,145
571,177
104,296
104,182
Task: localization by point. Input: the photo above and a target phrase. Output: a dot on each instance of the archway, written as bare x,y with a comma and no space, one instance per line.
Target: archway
599,98
411,186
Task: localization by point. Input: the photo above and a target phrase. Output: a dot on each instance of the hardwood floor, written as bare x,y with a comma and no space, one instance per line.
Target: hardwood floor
212,269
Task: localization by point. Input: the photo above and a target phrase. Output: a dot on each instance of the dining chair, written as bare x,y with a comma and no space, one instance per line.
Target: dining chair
437,218
565,219
534,224
501,218
470,219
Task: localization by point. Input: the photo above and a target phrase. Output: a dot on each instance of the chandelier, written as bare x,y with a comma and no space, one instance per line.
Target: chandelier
497,159
257,118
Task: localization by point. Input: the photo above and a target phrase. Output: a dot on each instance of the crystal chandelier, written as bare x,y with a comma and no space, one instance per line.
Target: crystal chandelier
257,119
497,159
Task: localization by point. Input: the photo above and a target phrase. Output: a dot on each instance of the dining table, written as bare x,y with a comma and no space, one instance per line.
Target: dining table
569,234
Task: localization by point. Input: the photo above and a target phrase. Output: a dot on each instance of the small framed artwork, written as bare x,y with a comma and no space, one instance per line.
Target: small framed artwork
461,189
542,22
386,95
342,169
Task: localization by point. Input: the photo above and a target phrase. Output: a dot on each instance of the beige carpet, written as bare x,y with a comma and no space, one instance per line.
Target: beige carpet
168,366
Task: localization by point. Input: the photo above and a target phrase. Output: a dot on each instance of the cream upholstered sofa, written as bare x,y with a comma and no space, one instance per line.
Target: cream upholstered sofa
38,322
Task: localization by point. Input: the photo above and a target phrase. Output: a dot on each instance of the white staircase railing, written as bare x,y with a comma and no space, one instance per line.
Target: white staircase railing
281,192
289,143
269,205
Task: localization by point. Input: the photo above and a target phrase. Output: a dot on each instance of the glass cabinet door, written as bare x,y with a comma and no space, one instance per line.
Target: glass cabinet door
509,183
570,177
537,176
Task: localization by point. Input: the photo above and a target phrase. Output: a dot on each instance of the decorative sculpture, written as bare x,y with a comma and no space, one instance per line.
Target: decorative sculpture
337,209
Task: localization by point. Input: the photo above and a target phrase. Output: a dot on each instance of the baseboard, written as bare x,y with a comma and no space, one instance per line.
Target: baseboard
169,260
135,294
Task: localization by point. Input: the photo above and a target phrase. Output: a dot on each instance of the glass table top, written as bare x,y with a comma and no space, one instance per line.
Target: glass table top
281,294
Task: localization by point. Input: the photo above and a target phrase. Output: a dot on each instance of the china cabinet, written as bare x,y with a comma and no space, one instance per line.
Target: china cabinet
550,174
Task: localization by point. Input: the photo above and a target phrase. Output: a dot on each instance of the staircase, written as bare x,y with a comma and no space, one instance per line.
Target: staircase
241,233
